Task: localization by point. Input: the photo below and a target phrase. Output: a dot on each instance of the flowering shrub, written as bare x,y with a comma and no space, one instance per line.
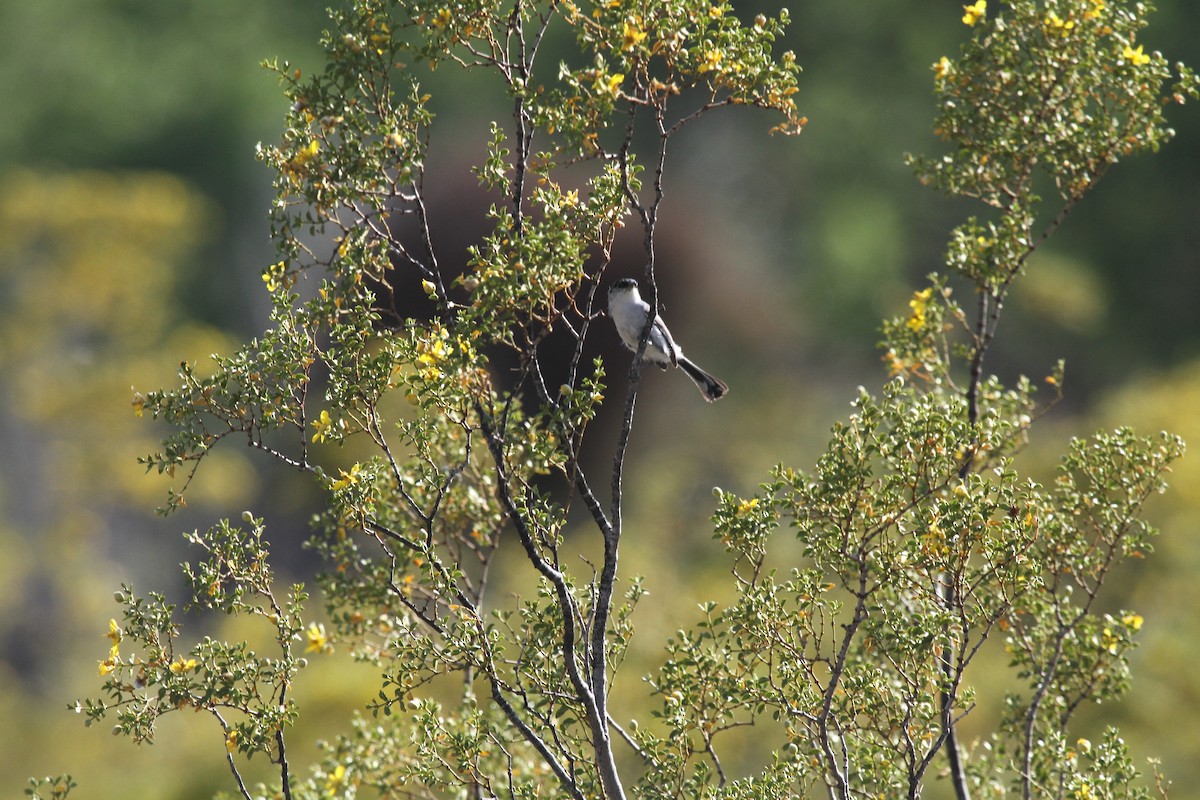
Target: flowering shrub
921,541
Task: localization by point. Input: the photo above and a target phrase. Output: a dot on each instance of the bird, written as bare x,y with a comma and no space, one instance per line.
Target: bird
628,312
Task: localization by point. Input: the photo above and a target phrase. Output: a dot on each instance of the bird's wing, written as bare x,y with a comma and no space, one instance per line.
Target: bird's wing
663,339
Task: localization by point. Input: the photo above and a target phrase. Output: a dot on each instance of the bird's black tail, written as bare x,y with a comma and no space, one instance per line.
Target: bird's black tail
711,387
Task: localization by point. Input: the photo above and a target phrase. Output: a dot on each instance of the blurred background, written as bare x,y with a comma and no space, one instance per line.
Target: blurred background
133,233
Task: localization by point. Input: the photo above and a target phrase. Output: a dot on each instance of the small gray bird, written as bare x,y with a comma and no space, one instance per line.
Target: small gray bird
628,311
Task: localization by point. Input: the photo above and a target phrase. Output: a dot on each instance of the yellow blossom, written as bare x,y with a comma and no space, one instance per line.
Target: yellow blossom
712,59
231,740
442,19
318,641
305,155
1133,622
747,505
1094,11
297,165
308,152
1056,26
974,12
323,426
942,68
919,304
465,348
335,779
633,33
1135,56
114,635
347,479
138,402
609,84
275,276
433,350
933,540
183,665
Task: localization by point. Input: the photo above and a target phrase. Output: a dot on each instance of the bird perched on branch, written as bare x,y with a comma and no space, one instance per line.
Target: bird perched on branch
628,311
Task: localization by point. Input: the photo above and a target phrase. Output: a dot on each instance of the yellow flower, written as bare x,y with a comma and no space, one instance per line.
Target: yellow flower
465,348
307,153
138,402
432,354
1094,11
1056,26
712,59
1133,622
318,642
609,84
322,426
633,33
181,665
1135,57
919,304
747,505
335,779
347,479
275,275
310,152
114,635
942,68
433,350
933,540
974,12
231,740
297,165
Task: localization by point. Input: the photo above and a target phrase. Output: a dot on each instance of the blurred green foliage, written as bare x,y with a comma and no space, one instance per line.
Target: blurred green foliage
107,278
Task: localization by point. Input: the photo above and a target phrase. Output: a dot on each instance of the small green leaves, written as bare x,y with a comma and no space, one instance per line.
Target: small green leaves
147,674
55,788
1053,90
920,538
646,57
1057,87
